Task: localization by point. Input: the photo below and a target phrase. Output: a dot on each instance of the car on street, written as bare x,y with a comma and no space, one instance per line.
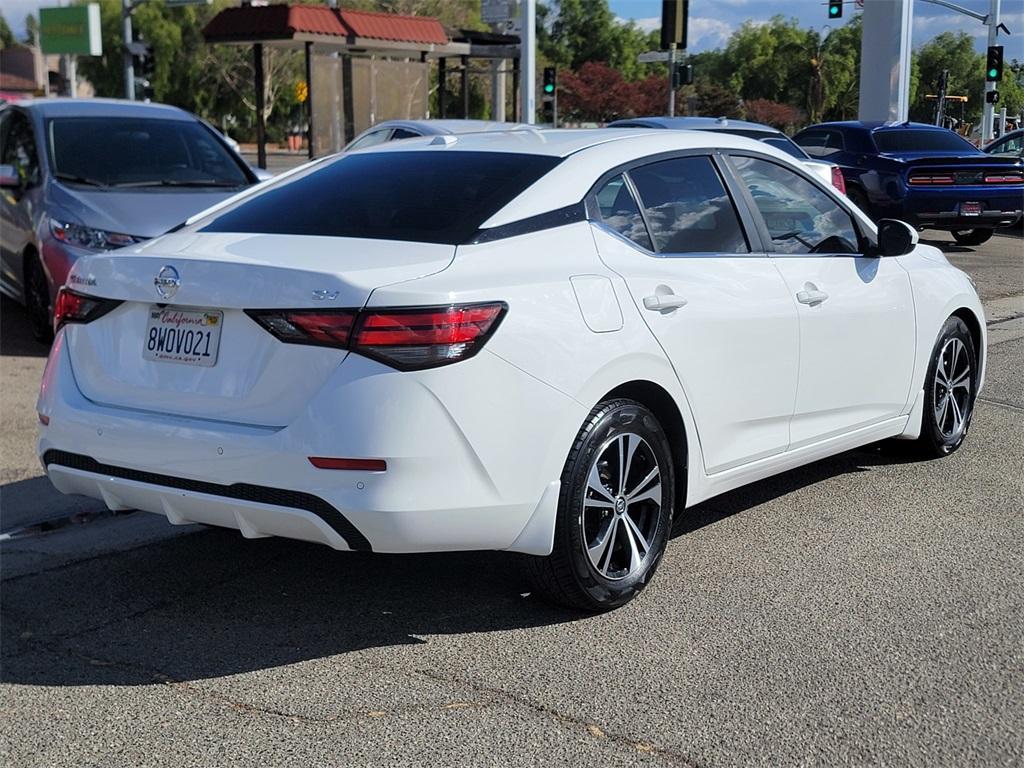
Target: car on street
395,130
1010,145
550,342
80,176
828,172
923,174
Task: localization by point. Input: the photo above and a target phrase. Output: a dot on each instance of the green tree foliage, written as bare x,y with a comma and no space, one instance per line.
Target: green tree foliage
7,38
955,52
574,32
771,61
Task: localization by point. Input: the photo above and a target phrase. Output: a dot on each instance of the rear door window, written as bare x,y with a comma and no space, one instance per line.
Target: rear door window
687,207
620,212
429,196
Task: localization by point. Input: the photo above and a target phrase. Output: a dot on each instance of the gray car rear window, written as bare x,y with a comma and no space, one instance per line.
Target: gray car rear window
432,196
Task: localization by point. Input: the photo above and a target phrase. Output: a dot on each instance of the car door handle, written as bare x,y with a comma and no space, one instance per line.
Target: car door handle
811,296
663,302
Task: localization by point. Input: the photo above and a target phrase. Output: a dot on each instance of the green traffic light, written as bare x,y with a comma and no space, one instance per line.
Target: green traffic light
549,88
833,10
993,73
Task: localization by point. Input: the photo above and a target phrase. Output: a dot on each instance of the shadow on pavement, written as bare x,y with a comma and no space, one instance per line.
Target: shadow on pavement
747,497
209,604
15,332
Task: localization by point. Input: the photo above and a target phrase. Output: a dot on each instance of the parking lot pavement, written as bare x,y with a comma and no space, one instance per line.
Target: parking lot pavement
866,609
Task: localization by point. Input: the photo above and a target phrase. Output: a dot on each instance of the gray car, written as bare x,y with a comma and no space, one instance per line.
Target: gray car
84,175
393,130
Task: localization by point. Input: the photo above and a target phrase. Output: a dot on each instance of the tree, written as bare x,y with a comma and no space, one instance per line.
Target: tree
954,52
718,101
840,72
7,39
781,116
771,61
595,93
571,33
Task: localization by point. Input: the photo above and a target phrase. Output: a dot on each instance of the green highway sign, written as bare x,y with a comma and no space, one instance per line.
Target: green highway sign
74,29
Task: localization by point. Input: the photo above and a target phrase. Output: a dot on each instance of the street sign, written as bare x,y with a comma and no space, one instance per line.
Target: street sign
177,3
73,30
498,11
652,56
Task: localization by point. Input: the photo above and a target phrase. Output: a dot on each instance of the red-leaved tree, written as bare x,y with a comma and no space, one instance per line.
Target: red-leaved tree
773,113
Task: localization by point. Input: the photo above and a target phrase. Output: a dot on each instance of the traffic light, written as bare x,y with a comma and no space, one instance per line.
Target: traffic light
682,74
549,96
835,9
994,64
992,97
674,18
549,81
144,66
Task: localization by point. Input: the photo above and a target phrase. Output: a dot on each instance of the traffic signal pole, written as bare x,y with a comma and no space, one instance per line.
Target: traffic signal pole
672,80
129,67
528,57
988,108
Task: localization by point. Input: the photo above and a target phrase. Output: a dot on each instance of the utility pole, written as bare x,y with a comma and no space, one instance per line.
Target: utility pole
126,32
528,57
672,80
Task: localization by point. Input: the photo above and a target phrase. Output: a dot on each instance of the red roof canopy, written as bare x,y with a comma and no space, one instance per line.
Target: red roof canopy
284,22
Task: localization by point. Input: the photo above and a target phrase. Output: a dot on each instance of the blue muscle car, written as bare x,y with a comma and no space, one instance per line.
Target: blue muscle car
925,175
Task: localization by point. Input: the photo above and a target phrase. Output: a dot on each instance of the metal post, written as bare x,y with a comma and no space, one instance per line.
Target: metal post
465,87
129,66
516,110
261,135
72,71
498,90
988,108
528,53
309,100
1002,121
442,86
671,79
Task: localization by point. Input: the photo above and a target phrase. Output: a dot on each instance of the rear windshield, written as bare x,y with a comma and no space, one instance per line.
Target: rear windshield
920,141
141,152
422,196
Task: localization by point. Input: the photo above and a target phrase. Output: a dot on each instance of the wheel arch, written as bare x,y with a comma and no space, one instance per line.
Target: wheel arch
973,323
663,405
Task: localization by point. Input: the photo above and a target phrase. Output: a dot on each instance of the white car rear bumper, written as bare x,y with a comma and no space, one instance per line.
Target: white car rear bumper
466,469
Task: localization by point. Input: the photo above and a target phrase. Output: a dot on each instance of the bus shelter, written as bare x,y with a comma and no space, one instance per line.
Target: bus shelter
362,67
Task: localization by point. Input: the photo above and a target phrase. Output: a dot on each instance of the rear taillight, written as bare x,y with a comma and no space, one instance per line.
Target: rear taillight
72,307
410,339
407,339
308,326
932,178
1004,178
837,179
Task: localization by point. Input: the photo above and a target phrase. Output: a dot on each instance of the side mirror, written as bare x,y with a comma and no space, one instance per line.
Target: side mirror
895,237
9,178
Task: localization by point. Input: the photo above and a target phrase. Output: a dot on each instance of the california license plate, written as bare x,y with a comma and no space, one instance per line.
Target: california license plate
186,336
970,209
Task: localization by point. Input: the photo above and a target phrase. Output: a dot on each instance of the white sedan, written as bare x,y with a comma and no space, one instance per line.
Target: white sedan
547,342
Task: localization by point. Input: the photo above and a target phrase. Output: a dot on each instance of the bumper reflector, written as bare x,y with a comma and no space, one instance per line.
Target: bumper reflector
364,465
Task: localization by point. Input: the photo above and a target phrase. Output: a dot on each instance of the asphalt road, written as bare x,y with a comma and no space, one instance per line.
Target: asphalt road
866,609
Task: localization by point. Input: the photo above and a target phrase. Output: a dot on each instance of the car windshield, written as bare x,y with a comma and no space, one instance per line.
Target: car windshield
910,140
140,152
429,197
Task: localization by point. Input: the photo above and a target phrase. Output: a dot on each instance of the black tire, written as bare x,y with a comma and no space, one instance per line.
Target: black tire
971,236
954,352
858,198
37,300
568,576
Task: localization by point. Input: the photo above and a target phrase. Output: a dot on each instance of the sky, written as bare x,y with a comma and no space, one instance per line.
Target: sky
712,21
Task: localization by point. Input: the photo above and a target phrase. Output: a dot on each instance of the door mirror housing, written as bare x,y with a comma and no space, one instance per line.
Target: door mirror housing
9,178
895,238
261,174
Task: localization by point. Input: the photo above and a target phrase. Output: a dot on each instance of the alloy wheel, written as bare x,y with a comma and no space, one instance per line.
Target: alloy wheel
621,506
951,396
